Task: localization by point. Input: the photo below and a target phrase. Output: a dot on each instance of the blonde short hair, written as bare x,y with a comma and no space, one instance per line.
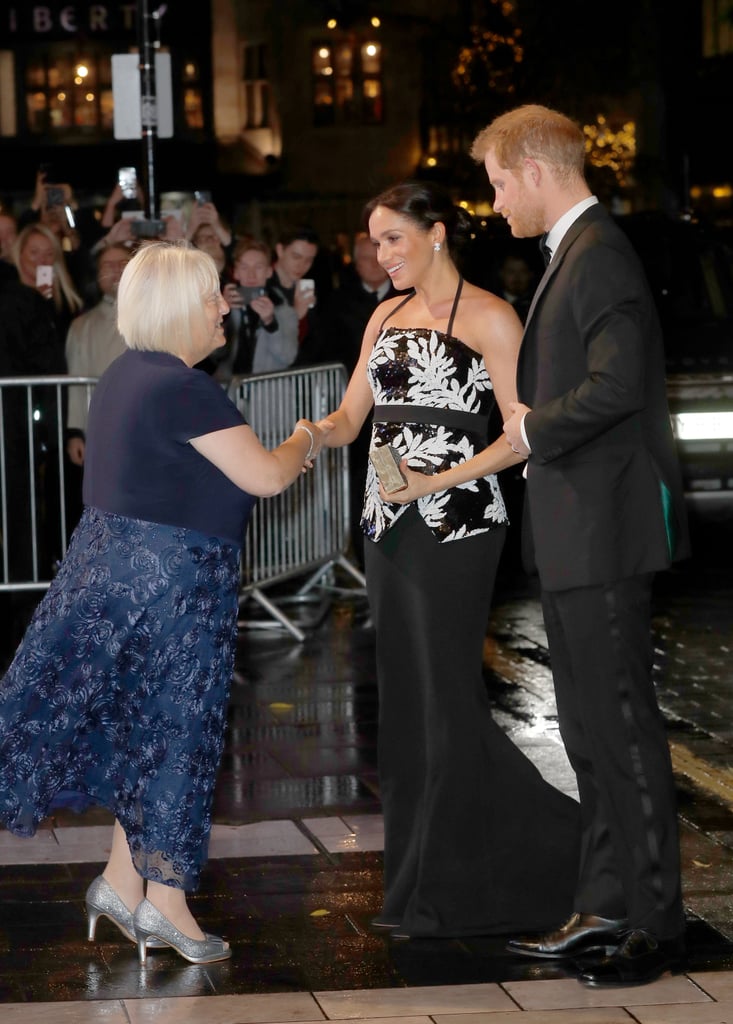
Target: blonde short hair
535,132
161,296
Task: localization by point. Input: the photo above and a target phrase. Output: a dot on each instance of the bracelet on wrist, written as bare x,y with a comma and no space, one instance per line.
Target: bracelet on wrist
309,432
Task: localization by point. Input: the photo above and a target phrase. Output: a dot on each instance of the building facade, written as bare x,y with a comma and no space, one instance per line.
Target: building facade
301,109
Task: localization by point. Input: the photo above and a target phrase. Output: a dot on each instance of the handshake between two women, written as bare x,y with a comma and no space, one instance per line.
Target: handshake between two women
316,434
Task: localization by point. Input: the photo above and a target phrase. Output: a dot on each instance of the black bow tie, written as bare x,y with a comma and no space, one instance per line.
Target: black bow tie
545,250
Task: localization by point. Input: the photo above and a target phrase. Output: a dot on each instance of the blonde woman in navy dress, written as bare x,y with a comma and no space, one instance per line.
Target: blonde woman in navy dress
118,692
475,840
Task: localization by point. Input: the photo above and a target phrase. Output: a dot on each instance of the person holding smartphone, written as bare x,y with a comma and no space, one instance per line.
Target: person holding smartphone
54,207
261,329
295,251
433,363
294,280
41,264
206,229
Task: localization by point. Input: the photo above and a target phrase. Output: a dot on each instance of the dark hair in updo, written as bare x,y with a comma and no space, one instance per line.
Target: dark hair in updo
425,204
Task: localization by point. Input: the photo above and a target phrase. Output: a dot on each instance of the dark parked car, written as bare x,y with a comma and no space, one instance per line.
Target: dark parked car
690,269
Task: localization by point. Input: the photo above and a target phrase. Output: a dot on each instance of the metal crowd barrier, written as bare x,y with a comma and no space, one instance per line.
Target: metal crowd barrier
35,498
303,532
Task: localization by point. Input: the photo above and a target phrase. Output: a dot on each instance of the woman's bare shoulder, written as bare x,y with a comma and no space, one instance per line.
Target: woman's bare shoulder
487,320
483,297
387,306
482,304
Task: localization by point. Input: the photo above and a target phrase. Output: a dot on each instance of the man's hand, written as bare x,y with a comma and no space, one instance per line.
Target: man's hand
513,428
264,308
173,227
232,296
120,233
75,450
303,301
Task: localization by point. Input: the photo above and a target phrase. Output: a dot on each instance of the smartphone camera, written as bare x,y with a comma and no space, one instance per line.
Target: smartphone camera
148,228
250,292
127,179
44,275
202,196
307,288
55,196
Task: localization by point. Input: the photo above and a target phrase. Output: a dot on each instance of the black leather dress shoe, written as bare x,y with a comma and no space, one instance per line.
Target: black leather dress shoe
581,934
640,958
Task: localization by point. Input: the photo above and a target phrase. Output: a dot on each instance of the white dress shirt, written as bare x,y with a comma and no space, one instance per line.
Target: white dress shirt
554,236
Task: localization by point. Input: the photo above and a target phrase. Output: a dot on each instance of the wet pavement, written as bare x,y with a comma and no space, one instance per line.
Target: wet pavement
295,869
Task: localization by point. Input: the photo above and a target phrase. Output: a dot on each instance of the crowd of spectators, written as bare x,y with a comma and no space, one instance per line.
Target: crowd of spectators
60,264
293,301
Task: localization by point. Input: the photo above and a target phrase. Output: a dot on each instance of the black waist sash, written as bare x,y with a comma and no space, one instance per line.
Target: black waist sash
454,419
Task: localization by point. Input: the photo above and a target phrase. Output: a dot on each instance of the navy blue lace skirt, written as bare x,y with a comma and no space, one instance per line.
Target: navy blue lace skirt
118,692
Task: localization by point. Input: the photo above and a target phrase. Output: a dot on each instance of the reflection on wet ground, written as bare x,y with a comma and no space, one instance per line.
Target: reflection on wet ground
295,869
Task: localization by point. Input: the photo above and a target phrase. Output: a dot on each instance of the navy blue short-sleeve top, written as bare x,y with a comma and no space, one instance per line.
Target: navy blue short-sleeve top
145,408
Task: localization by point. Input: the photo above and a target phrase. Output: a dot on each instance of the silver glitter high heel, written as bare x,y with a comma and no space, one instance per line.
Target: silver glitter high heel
150,924
102,901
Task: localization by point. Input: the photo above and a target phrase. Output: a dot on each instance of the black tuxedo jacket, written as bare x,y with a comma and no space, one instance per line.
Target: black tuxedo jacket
591,368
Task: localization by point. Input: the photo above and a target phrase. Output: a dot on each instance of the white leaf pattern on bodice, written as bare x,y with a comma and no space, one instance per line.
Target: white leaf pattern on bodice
426,368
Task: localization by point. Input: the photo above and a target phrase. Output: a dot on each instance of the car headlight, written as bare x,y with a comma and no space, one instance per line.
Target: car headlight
702,426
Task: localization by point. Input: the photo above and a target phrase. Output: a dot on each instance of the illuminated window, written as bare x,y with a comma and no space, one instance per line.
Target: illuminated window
193,110
68,91
193,103
106,110
717,28
257,112
347,81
